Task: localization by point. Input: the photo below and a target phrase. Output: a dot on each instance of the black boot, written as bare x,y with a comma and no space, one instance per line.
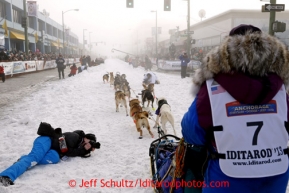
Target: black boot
5,181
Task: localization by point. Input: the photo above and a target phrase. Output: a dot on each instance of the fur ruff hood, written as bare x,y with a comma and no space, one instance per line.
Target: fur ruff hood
256,54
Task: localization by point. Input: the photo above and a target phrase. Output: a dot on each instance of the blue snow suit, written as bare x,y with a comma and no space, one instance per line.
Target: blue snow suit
40,154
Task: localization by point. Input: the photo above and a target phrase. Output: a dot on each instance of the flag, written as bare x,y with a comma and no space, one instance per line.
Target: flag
4,26
216,88
36,37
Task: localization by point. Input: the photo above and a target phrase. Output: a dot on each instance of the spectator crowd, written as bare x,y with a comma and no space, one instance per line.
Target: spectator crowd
14,55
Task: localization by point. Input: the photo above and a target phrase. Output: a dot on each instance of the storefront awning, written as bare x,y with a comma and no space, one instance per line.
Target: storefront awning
16,35
54,44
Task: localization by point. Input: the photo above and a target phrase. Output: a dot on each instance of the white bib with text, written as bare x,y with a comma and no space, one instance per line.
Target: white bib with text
252,137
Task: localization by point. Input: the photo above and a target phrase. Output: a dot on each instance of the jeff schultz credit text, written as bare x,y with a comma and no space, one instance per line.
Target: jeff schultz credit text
104,183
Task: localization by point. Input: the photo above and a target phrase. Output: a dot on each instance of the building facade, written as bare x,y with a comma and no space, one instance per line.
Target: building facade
44,34
210,32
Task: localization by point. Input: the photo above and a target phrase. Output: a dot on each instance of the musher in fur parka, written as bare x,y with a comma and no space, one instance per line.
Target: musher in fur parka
251,68
254,53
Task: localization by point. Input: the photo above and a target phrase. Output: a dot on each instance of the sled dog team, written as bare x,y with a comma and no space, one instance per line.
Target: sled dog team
137,113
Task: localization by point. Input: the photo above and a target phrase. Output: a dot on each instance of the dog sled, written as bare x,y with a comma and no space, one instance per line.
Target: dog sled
162,152
175,165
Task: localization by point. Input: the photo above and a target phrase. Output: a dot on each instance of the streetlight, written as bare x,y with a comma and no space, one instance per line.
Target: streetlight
156,31
137,41
89,44
188,31
26,43
63,25
272,17
83,42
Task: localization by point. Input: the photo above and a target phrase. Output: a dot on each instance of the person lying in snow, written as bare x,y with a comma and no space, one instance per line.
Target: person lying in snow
49,148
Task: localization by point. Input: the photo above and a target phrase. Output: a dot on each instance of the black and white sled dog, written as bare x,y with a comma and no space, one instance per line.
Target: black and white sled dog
165,115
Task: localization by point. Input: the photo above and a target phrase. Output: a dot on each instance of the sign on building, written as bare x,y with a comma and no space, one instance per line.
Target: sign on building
32,8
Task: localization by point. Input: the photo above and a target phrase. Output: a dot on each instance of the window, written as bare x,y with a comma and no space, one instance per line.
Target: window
31,21
2,10
16,16
41,25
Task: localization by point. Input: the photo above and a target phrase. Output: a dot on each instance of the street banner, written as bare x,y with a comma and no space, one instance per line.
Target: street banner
4,26
32,8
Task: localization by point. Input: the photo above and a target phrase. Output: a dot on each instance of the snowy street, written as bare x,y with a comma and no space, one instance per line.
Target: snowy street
85,102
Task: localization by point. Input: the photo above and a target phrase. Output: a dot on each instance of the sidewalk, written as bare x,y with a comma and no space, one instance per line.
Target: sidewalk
20,85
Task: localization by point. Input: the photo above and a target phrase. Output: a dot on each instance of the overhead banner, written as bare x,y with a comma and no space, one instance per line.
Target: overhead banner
32,8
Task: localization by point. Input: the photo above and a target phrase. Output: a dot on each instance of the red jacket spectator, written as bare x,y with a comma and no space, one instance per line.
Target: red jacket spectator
73,70
1,70
2,74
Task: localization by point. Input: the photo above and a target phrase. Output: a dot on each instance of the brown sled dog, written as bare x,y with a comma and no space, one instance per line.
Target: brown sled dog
105,78
120,99
139,117
135,107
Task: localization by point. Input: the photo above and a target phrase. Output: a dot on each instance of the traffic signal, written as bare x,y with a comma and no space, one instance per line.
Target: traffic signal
129,3
24,22
167,5
279,26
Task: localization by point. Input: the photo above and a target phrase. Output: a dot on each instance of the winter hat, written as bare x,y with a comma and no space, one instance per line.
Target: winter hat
243,28
90,136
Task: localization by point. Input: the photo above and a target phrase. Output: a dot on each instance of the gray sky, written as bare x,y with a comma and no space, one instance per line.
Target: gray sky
120,27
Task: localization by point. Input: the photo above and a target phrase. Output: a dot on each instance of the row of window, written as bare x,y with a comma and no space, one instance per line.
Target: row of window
17,17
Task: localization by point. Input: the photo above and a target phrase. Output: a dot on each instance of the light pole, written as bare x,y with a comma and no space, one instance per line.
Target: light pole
83,42
25,28
156,31
272,19
89,44
188,33
63,26
137,41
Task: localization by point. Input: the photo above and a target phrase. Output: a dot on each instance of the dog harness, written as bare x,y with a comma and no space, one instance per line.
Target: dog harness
251,140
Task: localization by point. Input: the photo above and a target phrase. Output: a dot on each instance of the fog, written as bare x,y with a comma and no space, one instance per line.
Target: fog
126,29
